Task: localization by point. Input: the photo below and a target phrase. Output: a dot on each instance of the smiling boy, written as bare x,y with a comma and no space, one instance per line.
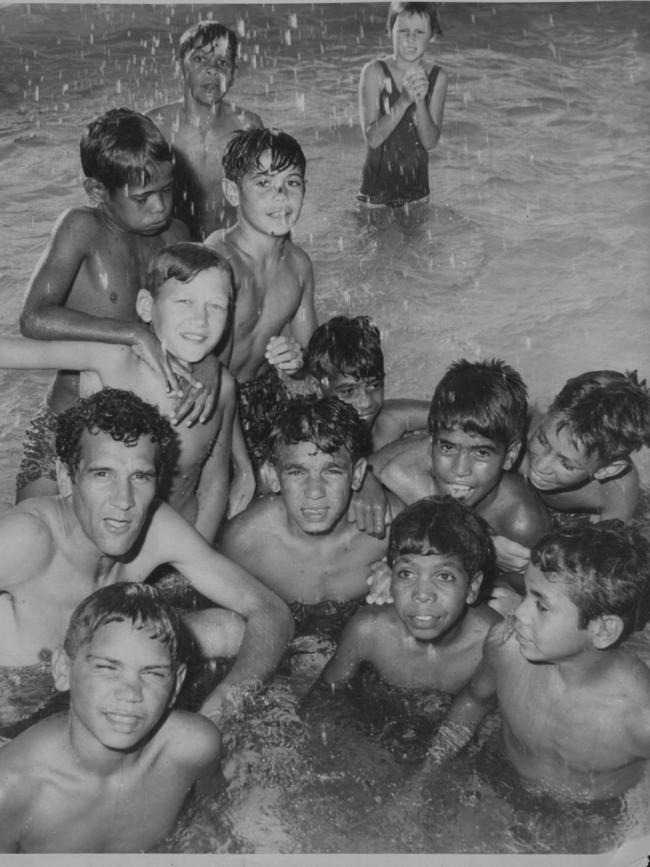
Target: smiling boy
440,553
264,178
112,773
198,126
187,303
85,284
575,704
579,452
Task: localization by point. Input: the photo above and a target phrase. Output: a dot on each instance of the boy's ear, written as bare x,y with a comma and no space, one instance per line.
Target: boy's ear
611,470
95,190
512,453
63,478
61,669
473,588
358,473
230,191
269,476
605,630
144,304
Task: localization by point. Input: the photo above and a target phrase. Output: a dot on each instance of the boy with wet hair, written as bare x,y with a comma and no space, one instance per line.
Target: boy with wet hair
579,454
198,125
264,178
575,704
111,774
441,558
298,540
85,285
477,424
187,303
345,356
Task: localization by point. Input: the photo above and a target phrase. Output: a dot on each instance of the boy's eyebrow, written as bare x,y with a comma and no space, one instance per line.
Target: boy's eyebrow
164,665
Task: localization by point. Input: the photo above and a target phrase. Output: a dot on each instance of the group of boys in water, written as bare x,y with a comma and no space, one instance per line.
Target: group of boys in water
215,428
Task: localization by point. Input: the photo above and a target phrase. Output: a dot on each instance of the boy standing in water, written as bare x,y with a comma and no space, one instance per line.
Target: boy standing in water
187,303
578,456
85,285
264,178
401,103
112,773
440,553
575,704
345,356
198,125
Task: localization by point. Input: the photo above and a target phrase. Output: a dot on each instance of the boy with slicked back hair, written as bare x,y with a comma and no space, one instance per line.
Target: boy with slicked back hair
85,284
345,356
111,774
580,452
264,179
477,426
198,125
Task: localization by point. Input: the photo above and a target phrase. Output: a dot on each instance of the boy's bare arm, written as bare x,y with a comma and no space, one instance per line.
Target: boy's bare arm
374,127
242,485
620,496
214,484
304,321
27,546
428,115
269,624
349,653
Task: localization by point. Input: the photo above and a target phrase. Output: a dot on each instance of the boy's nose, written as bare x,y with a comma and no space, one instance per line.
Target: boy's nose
463,466
156,203
315,487
129,688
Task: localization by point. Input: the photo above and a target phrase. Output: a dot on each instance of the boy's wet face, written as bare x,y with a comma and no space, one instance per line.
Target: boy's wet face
112,490
467,466
555,460
316,487
365,395
208,71
431,593
547,620
270,201
121,683
142,209
411,34
190,318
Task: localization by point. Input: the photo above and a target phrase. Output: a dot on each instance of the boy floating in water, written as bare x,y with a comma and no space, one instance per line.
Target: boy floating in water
440,553
187,303
345,356
401,103
112,773
579,453
198,126
575,704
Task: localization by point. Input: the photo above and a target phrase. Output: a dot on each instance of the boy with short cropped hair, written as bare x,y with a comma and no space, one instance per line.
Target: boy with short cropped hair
264,178
575,704
298,540
344,354
187,303
477,423
84,287
441,556
579,454
112,773
198,126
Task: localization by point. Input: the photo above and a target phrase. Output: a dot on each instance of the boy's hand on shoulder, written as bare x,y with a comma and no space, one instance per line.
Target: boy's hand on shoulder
370,509
284,353
379,581
200,393
511,556
147,347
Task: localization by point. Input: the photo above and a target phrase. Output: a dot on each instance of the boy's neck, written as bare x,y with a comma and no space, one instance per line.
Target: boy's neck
204,115
91,756
583,668
258,245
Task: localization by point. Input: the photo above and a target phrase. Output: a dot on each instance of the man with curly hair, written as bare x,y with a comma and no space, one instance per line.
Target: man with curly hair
108,524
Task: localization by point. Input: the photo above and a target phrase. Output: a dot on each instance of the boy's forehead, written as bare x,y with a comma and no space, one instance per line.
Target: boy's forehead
217,281
160,175
307,451
457,435
265,166
117,637
413,18
219,46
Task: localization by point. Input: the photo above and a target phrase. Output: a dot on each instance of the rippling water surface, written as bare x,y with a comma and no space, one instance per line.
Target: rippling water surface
534,249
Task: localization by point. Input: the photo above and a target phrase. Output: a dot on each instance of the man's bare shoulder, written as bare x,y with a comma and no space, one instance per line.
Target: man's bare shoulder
28,534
